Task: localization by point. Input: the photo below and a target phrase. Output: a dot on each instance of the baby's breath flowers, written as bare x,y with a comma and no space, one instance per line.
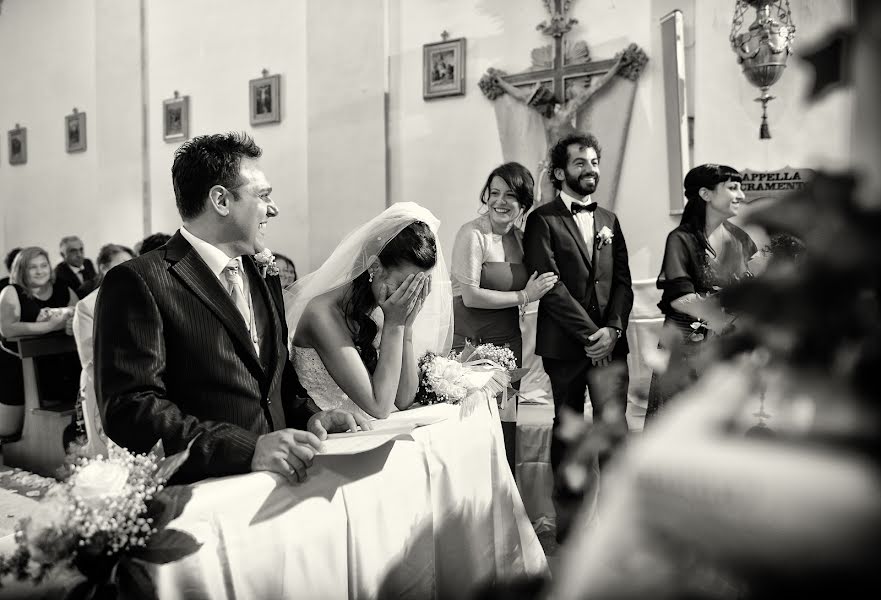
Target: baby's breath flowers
99,514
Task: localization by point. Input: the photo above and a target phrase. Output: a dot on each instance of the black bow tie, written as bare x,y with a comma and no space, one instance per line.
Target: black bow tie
577,208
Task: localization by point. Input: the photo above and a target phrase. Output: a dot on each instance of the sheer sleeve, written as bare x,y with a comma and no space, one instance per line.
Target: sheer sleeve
468,255
677,277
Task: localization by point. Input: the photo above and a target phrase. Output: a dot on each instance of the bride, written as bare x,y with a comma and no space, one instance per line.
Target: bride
360,321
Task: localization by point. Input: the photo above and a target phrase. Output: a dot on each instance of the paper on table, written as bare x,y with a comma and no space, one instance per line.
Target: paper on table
364,441
536,396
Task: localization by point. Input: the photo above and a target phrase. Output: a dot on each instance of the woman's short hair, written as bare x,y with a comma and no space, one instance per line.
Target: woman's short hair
19,272
10,257
518,178
109,251
151,242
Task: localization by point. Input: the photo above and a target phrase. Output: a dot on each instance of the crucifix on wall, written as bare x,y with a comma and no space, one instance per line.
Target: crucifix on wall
558,88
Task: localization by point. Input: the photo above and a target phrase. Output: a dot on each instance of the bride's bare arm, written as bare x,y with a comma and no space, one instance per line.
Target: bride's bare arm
332,340
409,382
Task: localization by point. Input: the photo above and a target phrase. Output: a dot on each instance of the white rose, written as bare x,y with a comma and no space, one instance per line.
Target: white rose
100,479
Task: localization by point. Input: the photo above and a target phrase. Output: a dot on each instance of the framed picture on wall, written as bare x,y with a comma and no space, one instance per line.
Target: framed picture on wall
18,145
75,131
176,118
264,96
443,69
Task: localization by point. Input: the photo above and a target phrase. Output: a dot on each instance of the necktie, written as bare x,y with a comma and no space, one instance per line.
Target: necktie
577,208
236,288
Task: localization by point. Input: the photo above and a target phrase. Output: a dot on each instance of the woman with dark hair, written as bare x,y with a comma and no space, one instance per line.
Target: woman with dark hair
359,323
702,256
489,279
26,308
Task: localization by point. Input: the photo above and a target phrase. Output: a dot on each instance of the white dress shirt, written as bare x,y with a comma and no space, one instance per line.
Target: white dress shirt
583,219
78,271
217,260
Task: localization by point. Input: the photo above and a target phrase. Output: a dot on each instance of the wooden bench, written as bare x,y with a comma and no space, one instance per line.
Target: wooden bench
40,448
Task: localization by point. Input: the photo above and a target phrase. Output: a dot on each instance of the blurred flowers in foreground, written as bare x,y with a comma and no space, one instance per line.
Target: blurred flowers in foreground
106,521
701,507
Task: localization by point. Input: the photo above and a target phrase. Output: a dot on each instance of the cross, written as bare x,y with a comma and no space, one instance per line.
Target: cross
558,68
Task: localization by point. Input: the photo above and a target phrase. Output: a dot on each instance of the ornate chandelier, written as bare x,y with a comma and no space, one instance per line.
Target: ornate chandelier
764,47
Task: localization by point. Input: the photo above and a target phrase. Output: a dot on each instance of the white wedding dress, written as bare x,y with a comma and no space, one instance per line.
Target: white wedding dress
318,382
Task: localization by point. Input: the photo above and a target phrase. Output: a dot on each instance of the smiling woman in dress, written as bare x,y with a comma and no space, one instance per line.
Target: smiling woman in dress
489,280
33,288
702,256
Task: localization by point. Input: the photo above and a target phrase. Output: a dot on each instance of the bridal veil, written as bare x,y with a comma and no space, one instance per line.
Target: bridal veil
433,328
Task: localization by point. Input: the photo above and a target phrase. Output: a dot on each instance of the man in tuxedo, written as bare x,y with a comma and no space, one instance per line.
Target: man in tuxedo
75,270
582,321
191,339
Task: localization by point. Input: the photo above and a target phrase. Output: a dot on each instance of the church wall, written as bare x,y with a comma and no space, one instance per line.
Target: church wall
209,50
442,150
48,67
804,134
345,97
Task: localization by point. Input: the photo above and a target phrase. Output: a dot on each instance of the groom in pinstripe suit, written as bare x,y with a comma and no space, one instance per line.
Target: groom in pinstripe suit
191,340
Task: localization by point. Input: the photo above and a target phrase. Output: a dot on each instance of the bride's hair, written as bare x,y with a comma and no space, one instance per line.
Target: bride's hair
414,245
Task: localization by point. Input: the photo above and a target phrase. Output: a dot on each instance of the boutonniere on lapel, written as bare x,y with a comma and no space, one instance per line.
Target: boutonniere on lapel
266,262
604,237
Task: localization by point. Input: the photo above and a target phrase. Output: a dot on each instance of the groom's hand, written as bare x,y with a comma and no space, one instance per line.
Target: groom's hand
288,452
602,342
336,421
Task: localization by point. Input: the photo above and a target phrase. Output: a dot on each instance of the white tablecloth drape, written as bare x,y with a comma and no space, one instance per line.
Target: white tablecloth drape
432,514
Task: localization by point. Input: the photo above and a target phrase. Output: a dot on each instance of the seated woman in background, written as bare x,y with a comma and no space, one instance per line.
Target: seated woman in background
489,280
702,256
23,312
287,271
87,420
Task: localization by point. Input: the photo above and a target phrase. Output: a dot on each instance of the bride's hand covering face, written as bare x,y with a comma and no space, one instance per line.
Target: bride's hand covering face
392,263
397,306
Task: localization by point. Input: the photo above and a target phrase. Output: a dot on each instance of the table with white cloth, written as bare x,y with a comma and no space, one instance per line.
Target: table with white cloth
432,513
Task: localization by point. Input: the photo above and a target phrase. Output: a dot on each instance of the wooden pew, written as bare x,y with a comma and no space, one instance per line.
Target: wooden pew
40,448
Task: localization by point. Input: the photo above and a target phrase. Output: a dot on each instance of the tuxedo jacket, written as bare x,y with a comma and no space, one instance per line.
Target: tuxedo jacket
65,274
591,292
174,361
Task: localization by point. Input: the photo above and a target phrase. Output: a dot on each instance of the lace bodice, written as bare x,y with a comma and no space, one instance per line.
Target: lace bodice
318,382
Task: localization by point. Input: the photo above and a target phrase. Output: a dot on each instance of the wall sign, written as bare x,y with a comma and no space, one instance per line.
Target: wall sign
774,184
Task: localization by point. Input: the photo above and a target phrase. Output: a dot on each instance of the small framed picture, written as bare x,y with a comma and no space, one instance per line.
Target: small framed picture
265,99
75,131
18,145
443,69
176,118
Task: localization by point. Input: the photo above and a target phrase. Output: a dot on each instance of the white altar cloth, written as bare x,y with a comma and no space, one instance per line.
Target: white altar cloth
432,514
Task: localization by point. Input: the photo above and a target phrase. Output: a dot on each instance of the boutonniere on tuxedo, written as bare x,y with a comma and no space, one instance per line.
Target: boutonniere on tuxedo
266,262
604,237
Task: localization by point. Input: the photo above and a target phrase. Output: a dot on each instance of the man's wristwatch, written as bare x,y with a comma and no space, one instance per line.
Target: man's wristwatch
618,332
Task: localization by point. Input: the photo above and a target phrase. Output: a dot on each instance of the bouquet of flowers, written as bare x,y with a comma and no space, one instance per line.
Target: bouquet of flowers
451,378
106,521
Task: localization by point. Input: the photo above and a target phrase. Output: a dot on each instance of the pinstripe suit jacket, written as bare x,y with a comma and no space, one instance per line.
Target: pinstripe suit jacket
174,360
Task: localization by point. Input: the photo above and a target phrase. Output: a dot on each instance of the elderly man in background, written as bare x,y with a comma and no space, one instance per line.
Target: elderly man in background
76,271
